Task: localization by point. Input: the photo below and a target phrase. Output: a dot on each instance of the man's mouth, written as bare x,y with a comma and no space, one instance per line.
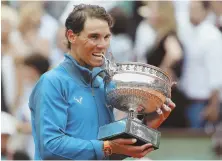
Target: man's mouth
98,54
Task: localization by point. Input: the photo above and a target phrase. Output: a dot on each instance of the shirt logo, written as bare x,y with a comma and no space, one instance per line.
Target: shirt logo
79,100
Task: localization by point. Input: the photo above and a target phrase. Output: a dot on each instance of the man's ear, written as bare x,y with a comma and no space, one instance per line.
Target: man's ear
71,36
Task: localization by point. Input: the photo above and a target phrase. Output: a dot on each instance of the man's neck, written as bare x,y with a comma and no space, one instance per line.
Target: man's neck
78,60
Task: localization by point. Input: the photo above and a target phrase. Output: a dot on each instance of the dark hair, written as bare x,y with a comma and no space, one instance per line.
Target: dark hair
206,4
76,19
21,155
120,20
38,61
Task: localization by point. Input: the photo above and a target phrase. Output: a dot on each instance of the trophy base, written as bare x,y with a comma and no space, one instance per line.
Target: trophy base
130,128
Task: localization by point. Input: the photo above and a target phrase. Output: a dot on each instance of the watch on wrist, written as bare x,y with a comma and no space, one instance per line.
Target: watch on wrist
107,149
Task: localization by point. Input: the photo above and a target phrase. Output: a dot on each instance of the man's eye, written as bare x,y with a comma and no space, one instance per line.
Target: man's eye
94,36
107,37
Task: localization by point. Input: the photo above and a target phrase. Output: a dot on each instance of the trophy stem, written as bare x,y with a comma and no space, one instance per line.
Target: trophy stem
133,115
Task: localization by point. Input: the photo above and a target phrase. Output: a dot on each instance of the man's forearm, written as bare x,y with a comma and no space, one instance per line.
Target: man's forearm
73,148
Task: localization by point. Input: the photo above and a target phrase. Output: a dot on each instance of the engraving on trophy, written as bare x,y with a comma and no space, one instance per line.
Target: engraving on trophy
135,68
151,71
143,68
127,67
140,131
136,130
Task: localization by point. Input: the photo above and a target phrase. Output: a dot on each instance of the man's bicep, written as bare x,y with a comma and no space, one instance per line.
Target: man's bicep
52,111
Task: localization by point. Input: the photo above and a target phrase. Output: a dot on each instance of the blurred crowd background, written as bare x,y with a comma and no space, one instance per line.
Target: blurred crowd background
184,38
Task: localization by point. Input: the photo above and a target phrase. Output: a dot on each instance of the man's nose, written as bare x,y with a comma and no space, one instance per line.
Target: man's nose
103,44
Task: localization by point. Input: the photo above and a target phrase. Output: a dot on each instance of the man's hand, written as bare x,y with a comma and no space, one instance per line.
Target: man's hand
161,114
125,147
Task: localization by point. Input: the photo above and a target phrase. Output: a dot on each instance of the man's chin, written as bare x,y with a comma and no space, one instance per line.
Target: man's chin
97,64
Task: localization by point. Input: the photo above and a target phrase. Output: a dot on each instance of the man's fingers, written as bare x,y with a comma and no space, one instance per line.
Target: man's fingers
170,103
168,107
140,108
146,152
156,123
124,141
159,111
144,147
138,149
161,115
143,153
166,110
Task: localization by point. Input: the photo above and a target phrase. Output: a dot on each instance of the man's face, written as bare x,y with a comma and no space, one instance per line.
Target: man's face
197,12
91,43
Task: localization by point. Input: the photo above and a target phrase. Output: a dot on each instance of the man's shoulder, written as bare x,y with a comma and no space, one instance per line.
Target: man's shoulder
51,81
53,78
57,73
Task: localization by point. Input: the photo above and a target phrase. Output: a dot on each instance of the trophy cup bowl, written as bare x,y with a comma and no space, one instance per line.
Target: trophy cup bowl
138,89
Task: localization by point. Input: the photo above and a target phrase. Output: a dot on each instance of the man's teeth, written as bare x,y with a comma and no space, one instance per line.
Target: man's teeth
100,55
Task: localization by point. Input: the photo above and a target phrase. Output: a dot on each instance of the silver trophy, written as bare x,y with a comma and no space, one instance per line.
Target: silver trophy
138,89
